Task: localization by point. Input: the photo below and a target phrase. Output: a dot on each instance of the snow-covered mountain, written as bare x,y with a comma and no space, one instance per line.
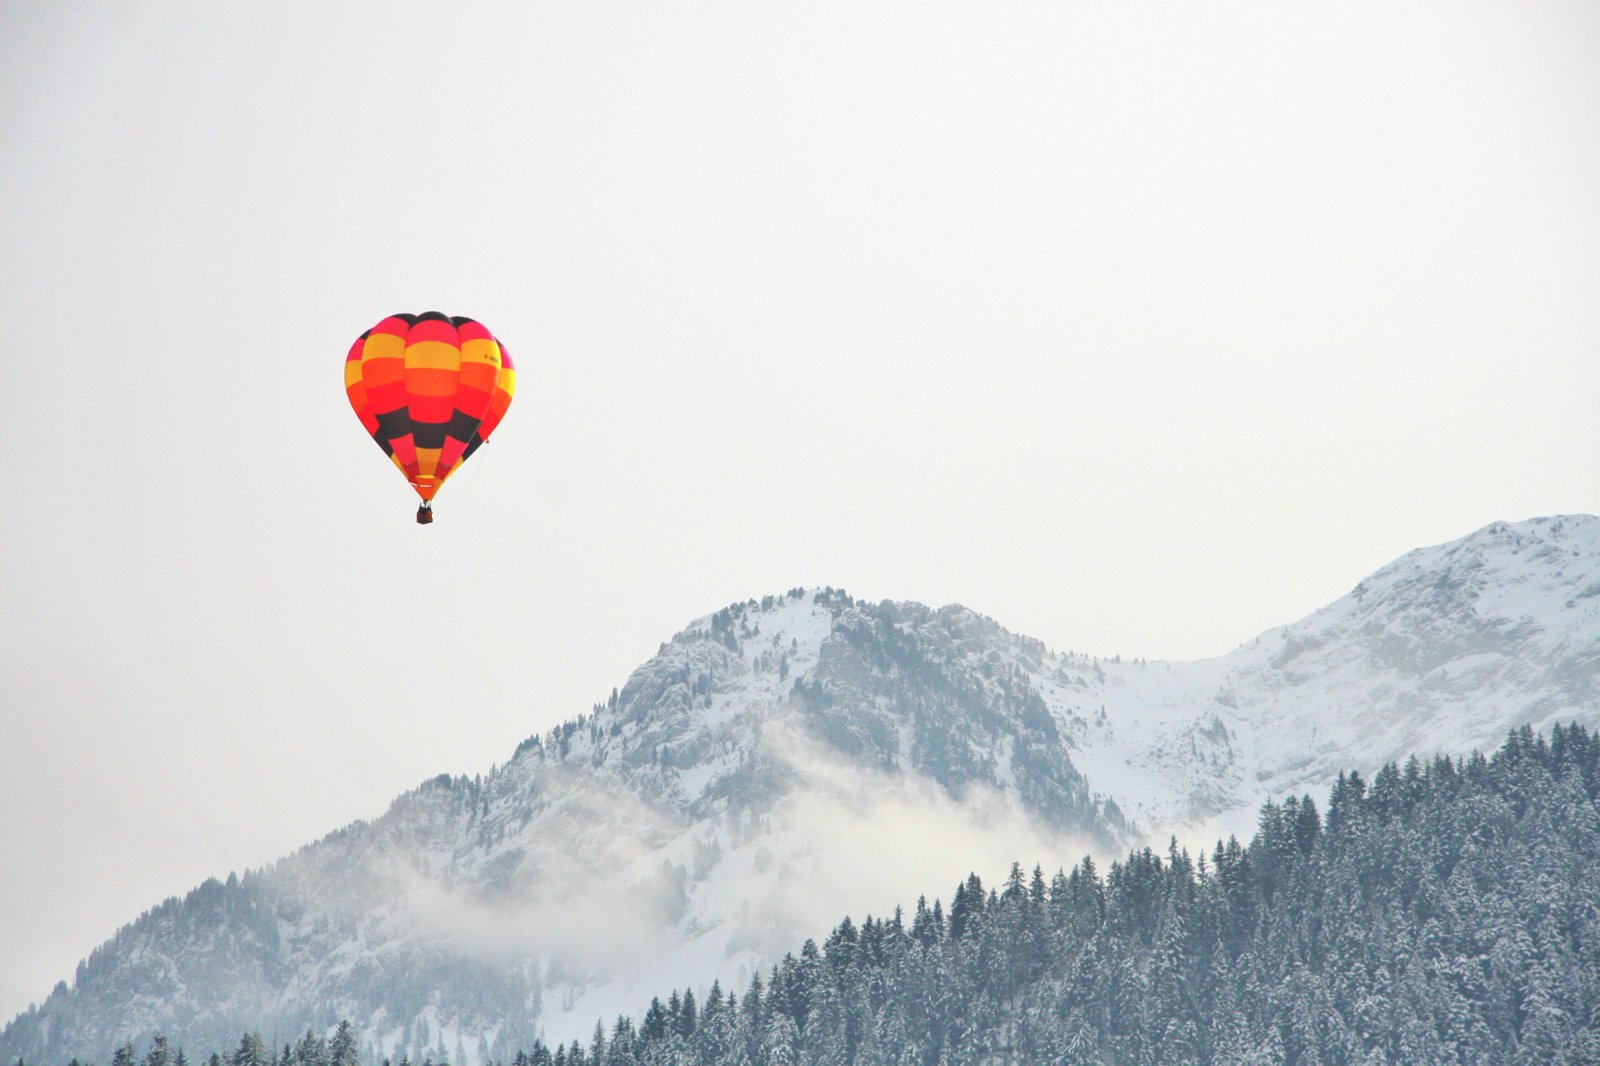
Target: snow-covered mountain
1443,650
786,760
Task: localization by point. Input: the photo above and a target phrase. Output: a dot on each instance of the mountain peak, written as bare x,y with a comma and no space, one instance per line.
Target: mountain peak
1541,539
1512,571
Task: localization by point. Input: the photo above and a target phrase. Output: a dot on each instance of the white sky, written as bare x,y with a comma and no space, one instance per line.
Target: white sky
1141,328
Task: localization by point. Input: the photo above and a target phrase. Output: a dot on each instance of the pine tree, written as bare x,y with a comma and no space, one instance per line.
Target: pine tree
685,1021
1036,888
342,1050
782,1041
160,1053
251,1052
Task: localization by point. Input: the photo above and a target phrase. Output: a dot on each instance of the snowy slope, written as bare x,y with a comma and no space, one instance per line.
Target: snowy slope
1443,650
786,760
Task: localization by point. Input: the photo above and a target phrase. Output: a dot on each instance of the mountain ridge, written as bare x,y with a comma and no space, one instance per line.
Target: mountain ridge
705,801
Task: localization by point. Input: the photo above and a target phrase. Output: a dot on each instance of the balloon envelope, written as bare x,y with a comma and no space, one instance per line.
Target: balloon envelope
430,389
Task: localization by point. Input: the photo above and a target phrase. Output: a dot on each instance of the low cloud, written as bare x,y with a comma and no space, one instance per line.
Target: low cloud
584,890
865,839
611,885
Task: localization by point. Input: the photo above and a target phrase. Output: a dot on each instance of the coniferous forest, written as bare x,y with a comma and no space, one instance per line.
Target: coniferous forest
1442,912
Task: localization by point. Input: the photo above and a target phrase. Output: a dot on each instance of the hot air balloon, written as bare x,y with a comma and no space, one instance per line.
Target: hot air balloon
429,389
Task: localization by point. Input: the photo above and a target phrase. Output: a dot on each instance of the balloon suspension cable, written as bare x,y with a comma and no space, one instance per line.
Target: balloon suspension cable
425,513
471,481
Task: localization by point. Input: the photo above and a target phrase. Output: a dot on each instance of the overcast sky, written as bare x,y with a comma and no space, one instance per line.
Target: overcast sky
1141,328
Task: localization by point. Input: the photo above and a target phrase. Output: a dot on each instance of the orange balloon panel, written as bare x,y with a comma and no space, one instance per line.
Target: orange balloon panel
429,389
